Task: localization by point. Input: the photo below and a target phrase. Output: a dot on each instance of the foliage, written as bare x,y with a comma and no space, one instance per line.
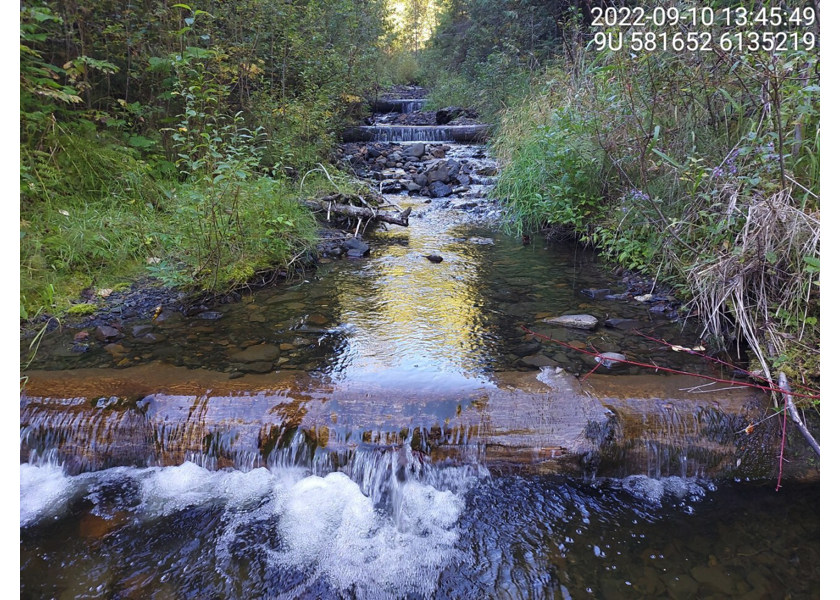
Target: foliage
165,135
699,168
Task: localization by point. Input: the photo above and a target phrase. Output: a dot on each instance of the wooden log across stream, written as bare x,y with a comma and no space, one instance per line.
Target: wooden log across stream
336,204
550,422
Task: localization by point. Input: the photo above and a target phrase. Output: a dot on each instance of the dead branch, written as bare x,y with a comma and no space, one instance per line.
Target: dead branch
332,204
794,414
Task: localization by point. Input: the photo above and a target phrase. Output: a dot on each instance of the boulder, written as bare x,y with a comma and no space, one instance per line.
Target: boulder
416,150
438,189
576,321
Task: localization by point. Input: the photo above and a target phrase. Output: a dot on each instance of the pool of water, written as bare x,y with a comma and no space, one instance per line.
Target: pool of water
389,526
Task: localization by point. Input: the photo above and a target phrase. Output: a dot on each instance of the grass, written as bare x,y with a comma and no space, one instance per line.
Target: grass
94,215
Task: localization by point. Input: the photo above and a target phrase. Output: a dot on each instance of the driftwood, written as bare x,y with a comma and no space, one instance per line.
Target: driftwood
794,414
333,205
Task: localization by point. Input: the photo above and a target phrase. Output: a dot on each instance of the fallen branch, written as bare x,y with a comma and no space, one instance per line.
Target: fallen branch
794,414
330,204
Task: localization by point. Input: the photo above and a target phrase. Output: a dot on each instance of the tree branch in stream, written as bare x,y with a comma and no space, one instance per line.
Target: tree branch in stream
794,414
334,204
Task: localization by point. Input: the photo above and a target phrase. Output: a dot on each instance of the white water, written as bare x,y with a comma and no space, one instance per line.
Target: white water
327,529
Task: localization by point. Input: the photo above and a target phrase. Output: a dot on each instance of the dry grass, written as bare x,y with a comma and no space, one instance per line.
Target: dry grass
760,289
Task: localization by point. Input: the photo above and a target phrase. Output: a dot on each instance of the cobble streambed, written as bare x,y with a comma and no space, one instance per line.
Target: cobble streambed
385,428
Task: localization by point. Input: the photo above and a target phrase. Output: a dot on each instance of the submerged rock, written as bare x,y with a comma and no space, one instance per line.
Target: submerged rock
210,315
623,324
598,294
435,258
263,352
576,321
539,360
104,333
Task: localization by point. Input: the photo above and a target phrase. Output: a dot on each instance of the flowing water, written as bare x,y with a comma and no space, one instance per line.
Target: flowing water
386,433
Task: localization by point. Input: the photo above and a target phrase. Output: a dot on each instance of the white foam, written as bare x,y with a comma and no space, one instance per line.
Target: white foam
45,491
332,531
167,490
327,530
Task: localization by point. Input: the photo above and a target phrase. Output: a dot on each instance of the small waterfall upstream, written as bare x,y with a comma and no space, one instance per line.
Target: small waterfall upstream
416,133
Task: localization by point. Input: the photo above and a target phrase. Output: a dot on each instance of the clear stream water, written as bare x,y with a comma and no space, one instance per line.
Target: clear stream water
385,521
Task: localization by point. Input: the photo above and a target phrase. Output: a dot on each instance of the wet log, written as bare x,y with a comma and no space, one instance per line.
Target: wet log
333,205
794,415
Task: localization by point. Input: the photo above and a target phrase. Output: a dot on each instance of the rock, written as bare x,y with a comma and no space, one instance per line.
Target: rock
576,321
116,350
412,187
681,587
256,367
151,338
236,375
318,319
461,189
439,152
81,336
715,578
598,294
357,247
435,258
263,352
257,318
481,241
210,315
141,330
416,150
391,186
643,298
438,189
421,180
105,333
610,359
287,346
539,360
487,171
527,348
623,324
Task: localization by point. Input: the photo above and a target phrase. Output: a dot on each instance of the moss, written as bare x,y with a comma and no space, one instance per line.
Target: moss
82,309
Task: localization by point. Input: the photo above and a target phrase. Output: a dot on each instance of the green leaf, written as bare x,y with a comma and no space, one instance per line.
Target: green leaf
668,159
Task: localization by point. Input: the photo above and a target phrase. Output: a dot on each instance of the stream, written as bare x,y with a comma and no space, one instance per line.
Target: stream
384,427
